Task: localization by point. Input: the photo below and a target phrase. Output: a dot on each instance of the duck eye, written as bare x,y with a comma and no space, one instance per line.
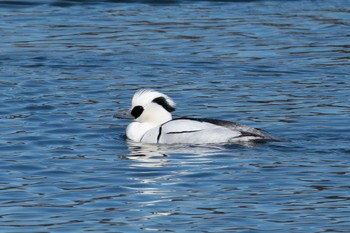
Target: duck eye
136,111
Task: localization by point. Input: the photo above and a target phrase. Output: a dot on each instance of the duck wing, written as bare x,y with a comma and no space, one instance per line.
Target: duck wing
244,129
199,131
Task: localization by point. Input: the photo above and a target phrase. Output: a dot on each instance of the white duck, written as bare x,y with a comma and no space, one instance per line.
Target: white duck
154,124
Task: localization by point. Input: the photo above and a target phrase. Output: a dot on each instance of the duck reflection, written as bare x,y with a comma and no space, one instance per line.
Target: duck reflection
150,150
157,155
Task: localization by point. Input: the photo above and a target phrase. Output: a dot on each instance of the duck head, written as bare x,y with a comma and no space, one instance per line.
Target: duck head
149,106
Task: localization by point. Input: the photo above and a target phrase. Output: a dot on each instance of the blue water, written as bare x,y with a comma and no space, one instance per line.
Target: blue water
68,70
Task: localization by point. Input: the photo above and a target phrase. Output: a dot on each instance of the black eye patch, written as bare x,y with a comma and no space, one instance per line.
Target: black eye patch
162,102
137,111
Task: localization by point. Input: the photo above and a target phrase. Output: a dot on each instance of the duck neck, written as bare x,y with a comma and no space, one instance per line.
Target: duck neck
161,119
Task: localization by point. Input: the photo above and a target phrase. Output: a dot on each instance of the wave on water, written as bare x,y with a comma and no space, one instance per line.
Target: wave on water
67,3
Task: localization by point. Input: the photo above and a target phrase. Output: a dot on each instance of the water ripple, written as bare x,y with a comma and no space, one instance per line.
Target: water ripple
68,72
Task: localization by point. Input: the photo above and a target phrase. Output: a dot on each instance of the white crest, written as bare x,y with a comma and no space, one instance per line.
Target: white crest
145,96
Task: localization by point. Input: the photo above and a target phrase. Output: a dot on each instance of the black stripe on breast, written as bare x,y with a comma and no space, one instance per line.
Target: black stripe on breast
179,132
159,134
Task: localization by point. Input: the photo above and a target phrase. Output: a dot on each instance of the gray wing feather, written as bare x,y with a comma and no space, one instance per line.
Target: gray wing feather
243,129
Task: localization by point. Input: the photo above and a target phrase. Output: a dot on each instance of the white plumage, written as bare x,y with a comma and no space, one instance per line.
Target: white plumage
154,124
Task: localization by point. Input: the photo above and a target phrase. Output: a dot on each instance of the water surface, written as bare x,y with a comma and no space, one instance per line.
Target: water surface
68,70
